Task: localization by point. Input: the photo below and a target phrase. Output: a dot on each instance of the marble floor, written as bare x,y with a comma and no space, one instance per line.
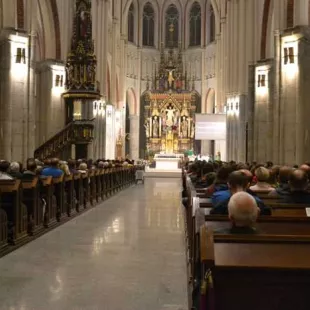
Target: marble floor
128,253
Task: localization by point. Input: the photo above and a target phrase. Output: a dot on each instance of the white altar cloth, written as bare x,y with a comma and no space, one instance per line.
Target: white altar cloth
167,163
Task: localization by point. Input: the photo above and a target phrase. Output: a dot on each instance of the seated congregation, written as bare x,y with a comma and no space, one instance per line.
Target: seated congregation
46,194
248,235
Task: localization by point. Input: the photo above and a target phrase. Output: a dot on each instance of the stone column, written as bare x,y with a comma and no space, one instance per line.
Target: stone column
13,95
134,136
51,107
235,49
229,47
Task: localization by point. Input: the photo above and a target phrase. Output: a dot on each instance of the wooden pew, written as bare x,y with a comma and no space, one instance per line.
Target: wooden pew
104,184
79,191
201,212
86,189
92,186
27,207
99,189
58,192
278,208
69,195
50,200
31,198
254,272
266,224
16,211
286,209
3,227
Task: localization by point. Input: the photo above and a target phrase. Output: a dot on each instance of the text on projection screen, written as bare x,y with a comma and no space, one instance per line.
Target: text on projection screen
210,127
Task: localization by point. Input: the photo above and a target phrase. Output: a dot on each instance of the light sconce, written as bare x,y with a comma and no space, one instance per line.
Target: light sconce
20,57
59,80
237,106
261,79
290,56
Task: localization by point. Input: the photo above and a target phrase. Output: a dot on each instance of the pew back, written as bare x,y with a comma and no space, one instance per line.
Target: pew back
258,271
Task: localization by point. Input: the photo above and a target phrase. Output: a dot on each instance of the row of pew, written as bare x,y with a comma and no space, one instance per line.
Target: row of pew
31,207
269,270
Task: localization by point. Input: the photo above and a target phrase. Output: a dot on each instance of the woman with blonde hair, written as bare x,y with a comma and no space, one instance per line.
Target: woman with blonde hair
65,168
262,175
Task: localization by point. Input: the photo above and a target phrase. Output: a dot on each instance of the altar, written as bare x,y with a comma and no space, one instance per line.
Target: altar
166,165
168,162
169,108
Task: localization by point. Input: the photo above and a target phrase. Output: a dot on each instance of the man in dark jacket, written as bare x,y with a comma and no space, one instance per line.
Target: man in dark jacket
284,188
298,188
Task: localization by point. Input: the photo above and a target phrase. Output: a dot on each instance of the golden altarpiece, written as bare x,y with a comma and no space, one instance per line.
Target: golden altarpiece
169,107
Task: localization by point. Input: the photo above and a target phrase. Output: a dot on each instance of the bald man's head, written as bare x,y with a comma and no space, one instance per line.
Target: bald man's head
248,174
304,167
242,209
298,180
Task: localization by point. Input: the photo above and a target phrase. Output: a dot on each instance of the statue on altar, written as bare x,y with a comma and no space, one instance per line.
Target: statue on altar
178,82
170,116
83,24
155,127
147,129
192,131
170,78
184,127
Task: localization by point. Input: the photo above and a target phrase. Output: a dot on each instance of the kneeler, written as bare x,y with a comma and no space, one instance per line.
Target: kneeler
207,301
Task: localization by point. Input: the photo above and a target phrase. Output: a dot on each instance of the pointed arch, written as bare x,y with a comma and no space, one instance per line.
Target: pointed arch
210,102
265,22
48,13
132,101
57,28
131,23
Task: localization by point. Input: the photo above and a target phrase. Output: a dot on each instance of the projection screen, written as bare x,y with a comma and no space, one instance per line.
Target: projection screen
210,127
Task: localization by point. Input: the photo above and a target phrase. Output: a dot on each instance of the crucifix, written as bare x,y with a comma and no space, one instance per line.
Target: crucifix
170,77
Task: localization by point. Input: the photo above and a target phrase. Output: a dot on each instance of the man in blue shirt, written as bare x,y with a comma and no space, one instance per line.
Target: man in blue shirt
237,182
53,170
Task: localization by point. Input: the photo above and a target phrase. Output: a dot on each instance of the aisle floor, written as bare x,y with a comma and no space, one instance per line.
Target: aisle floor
128,253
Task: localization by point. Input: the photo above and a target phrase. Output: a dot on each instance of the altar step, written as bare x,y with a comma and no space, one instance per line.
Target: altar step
161,173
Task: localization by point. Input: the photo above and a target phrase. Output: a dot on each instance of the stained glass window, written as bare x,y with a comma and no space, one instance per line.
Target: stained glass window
172,26
195,25
131,24
148,25
212,25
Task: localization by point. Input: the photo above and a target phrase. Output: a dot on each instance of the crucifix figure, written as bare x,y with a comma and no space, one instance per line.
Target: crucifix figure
170,77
